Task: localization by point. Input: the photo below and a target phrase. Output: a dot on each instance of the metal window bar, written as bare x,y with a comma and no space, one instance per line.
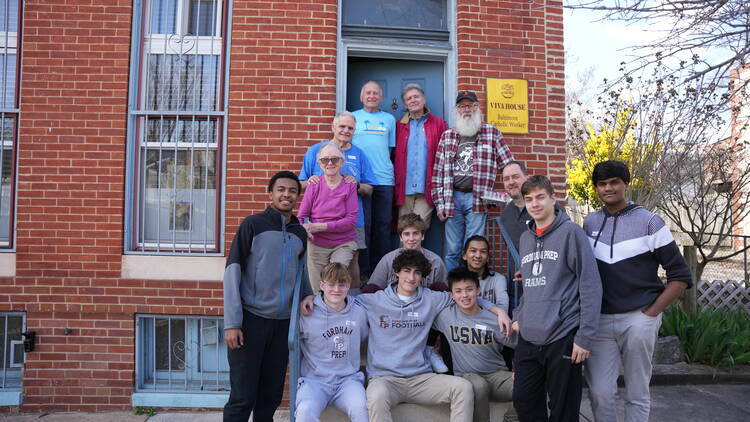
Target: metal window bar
499,238
200,336
8,111
182,82
12,371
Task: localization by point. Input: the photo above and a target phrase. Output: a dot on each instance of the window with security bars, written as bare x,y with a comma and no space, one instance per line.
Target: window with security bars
9,53
181,354
177,124
11,350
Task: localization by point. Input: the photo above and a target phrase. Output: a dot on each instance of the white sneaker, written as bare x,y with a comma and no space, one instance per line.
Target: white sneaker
435,360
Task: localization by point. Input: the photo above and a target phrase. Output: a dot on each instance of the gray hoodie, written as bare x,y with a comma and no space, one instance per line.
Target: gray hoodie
398,330
330,341
562,290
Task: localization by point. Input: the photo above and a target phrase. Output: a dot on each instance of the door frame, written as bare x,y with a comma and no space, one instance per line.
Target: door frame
401,49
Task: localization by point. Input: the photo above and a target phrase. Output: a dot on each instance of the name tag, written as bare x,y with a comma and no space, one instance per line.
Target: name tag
351,157
480,327
413,314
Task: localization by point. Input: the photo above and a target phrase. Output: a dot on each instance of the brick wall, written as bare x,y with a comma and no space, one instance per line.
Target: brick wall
282,96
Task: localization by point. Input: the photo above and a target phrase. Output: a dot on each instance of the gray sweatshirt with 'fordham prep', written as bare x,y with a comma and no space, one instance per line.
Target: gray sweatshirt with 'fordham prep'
562,290
330,341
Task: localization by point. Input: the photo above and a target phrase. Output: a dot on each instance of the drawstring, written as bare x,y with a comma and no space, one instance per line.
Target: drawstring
599,233
612,239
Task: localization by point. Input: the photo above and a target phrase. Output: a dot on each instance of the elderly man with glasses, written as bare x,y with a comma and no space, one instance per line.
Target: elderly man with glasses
468,159
355,168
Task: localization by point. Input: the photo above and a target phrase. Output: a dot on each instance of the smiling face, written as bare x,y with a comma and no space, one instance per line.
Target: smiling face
513,178
284,194
414,101
330,160
540,205
371,96
409,279
465,294
334,292
612,193
343,130
476,256
411,238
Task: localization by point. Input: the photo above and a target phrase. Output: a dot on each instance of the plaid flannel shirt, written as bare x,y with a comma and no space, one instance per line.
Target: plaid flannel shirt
490,154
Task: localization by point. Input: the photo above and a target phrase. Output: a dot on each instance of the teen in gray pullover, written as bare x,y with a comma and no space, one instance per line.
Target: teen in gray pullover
330,340
559,311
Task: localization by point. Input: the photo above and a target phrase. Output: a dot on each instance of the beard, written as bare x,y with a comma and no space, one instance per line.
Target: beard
468,126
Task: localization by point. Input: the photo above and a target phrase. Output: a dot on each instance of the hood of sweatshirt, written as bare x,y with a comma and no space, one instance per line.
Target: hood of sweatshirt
630,207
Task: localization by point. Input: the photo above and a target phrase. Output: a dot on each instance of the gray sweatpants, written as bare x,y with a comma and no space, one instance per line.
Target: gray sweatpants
314,396
386,392
625,339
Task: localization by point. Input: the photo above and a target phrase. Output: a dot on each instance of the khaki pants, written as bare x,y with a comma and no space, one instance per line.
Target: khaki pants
386,392
497,385
418,205
319,256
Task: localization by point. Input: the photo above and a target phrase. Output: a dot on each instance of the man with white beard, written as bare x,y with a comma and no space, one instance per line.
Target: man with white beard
467,161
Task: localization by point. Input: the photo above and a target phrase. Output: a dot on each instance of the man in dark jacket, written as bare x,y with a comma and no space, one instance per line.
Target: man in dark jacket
267,254
417,137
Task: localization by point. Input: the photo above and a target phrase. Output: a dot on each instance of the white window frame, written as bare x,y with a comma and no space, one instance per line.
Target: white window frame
9,46
180,43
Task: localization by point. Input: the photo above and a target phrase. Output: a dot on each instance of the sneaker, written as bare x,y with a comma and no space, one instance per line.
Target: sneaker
435,360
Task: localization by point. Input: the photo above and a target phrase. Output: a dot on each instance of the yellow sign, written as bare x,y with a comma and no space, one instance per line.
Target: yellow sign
508,104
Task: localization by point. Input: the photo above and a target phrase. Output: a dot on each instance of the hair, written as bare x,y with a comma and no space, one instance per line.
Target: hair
476,238
410,87
362,91
335,272
344,113
609,169
462,274
521,165
284,174
410,220
329,144
537,181
411,258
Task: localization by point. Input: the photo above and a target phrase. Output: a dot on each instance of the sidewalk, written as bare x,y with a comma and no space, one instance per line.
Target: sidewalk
679,392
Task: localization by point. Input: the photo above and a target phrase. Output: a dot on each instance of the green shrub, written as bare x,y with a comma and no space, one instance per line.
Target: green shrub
719,338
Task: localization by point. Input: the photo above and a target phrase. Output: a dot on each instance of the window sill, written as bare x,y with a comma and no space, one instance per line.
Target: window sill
209,400
7,264
161,267
11,398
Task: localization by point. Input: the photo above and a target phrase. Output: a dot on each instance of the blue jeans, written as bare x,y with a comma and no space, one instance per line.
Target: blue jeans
378,210
460,227
349,397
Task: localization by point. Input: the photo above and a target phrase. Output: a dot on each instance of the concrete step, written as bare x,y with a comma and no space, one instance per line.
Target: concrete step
408,412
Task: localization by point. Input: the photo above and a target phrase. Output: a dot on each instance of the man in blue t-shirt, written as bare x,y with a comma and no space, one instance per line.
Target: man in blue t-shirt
356,169
376,136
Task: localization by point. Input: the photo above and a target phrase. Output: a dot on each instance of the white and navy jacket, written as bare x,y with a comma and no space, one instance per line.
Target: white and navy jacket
629,246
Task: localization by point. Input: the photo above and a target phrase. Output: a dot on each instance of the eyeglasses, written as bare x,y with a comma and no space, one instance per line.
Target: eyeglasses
467,107
329,160
335,286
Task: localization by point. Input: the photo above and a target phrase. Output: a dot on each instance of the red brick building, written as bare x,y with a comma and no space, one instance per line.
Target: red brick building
136,134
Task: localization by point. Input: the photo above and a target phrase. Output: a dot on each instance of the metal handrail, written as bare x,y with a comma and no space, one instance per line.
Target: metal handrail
510,253
293,342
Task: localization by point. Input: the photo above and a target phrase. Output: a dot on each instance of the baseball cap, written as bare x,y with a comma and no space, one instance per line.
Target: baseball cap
462,95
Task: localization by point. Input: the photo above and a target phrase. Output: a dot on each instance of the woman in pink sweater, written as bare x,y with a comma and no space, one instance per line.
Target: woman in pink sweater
329,213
